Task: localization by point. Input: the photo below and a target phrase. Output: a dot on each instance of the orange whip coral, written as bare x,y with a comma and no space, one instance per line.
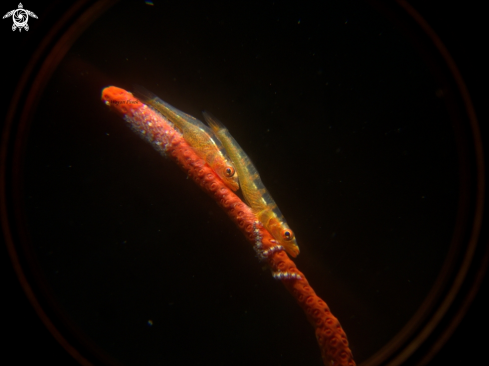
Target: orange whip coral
158,131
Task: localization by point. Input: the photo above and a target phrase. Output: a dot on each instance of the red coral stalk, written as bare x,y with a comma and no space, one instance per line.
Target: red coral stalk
158,131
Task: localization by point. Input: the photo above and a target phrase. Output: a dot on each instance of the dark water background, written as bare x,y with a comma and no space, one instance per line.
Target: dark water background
343,119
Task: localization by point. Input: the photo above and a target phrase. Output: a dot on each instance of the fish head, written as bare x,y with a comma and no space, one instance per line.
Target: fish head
282,233
229,175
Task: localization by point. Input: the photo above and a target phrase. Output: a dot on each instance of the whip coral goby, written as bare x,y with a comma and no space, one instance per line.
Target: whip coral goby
254,191
197,134
158,131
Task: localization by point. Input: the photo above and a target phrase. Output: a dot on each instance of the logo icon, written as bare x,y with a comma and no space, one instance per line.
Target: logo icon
20,17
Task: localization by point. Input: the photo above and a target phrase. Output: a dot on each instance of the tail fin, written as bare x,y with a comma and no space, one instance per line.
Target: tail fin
143,94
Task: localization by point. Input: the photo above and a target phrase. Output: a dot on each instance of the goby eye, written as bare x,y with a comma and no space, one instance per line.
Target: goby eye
229,171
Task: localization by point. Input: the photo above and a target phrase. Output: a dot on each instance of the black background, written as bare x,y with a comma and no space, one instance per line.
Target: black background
461,28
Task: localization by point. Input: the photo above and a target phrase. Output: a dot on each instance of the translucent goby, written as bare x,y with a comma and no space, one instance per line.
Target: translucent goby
197,134
254,192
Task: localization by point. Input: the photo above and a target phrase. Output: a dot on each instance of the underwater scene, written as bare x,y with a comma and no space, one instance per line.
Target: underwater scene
333,105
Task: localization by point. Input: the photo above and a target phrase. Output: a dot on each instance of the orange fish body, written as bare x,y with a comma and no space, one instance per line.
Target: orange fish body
254,191
197,135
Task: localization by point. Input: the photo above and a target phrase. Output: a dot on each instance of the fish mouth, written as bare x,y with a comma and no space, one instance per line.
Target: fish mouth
292,250
233,185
